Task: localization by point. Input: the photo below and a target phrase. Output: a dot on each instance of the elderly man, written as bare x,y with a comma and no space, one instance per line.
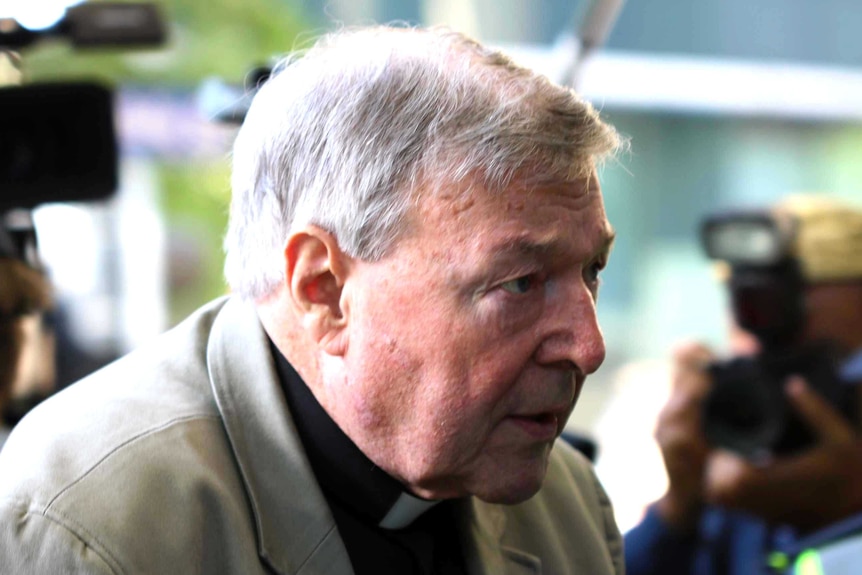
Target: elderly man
415,242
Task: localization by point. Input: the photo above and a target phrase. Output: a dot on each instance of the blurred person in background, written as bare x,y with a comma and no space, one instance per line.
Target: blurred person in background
47,356
415,242
25,360
725,514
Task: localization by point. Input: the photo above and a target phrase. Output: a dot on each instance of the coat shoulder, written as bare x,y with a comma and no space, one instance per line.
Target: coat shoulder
139,443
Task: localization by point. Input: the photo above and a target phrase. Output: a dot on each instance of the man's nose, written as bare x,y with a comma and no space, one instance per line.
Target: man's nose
574,335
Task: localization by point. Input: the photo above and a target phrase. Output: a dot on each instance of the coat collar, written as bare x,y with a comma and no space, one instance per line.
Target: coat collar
280,484
281,487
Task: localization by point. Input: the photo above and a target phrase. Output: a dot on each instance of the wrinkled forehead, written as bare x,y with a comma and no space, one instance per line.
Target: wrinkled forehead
581,179
470,199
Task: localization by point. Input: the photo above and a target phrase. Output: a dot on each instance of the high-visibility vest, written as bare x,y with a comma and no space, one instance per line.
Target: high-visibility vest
838,558
836,550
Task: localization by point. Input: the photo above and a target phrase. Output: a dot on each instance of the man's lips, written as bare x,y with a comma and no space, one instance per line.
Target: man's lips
543,426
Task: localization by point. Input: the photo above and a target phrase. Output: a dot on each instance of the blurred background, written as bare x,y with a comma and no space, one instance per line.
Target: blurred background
726,103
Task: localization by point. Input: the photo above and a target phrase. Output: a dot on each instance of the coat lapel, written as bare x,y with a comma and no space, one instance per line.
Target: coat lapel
483,544
296,532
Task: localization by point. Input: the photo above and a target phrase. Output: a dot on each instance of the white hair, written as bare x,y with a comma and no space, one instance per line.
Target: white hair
347,136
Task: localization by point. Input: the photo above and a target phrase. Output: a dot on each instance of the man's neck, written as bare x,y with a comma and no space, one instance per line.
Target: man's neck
345,474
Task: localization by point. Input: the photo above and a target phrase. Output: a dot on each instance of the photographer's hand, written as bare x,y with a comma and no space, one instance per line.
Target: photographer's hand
809,490
23,290
679,436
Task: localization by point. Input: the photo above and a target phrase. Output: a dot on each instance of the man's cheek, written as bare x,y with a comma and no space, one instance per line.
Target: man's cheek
499,317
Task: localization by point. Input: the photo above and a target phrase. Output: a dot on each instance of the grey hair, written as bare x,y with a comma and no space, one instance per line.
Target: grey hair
349,135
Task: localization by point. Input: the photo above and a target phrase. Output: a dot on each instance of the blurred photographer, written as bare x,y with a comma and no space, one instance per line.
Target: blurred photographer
24,294
764,453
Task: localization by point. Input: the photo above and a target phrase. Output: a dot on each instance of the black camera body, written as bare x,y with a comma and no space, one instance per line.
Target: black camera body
58,141
747,410
57,144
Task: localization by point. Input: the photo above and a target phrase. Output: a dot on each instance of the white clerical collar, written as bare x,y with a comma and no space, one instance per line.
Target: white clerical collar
406,509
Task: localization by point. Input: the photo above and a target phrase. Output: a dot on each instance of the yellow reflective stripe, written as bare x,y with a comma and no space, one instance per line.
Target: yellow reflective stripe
808,563
778,561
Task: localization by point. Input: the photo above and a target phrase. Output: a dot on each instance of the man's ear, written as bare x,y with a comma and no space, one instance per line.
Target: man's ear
315,275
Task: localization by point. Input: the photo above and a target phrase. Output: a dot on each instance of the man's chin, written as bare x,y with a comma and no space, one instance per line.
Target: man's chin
507,479
510,495
493,491
514,486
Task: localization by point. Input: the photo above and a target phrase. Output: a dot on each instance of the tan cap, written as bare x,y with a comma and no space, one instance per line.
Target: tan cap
828,236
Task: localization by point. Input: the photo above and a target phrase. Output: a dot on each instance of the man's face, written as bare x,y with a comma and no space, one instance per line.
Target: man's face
832,312
467,345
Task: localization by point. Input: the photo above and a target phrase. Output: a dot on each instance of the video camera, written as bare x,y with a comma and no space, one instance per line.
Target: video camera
747,411
57,140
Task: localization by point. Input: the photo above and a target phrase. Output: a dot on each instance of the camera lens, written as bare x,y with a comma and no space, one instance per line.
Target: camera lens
743,412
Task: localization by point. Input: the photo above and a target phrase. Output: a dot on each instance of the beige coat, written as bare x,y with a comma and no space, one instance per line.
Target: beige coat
182,458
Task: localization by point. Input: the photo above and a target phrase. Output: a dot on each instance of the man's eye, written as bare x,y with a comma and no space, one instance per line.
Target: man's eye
519,285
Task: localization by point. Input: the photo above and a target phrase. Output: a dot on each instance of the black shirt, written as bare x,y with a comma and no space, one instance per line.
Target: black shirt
362,497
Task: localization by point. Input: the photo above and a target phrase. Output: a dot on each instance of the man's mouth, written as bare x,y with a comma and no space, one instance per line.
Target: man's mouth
540,426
